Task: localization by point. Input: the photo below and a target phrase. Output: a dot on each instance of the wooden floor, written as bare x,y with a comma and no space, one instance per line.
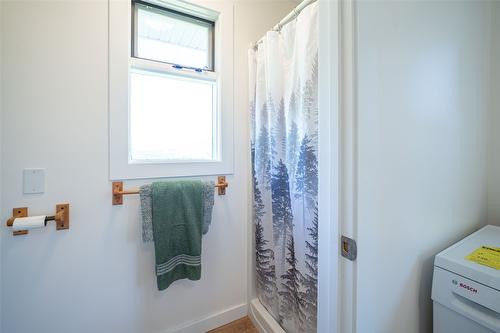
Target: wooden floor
243,325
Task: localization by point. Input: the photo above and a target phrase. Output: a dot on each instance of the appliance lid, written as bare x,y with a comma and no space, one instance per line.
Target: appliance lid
453,258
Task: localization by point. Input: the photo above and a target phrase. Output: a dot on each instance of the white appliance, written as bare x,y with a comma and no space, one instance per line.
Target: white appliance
466,295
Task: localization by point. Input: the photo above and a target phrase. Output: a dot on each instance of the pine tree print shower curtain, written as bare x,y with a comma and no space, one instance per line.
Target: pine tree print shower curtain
284,112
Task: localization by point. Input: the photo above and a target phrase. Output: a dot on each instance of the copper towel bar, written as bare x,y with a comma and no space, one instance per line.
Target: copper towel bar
119,192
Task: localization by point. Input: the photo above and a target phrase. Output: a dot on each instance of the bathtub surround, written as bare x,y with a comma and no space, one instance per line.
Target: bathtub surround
284,110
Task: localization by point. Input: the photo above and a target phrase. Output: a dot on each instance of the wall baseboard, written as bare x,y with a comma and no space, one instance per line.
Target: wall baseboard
212,321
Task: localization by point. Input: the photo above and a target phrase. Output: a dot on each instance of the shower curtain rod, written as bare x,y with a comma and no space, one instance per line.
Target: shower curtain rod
292,15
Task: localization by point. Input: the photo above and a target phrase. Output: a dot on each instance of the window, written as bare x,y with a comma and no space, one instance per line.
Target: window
172,37
170,89
173,90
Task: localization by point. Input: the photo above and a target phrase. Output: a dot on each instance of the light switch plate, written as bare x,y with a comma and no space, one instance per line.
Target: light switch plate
33,181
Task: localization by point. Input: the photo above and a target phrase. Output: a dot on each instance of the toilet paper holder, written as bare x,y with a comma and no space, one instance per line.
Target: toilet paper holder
61,218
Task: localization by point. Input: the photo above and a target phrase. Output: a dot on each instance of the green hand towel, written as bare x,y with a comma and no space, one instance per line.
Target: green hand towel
177,228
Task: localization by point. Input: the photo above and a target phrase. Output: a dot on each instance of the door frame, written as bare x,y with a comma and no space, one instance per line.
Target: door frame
337,276
348,160
328,160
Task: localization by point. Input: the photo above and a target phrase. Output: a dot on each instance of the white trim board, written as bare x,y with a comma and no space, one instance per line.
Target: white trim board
348,161
212,321
329,167
120,166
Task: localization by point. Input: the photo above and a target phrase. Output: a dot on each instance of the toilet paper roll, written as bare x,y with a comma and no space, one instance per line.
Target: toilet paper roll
27,223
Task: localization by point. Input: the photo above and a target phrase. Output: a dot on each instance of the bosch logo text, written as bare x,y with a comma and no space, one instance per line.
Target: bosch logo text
469,288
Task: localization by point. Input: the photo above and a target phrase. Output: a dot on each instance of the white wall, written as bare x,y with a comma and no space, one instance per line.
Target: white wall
494,165
253,19
97,276
423,103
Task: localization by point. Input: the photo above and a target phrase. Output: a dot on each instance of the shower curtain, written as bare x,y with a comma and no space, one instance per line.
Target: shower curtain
284,147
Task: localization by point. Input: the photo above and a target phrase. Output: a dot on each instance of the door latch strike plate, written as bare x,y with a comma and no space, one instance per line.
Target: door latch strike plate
348,248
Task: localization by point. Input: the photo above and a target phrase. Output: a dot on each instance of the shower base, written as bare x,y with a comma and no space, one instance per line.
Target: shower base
264,322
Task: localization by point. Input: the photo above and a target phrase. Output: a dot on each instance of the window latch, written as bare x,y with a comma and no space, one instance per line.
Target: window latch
199,70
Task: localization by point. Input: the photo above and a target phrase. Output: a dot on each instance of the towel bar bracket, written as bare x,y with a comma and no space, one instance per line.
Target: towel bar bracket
221,185
117,193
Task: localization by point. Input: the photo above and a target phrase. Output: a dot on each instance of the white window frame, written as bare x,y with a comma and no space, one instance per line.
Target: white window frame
184,16
120,63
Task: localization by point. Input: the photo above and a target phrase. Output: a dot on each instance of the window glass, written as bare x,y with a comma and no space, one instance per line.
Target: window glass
166,36
172,118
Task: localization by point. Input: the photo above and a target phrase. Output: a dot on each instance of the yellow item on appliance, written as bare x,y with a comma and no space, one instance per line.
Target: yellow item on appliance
487,256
